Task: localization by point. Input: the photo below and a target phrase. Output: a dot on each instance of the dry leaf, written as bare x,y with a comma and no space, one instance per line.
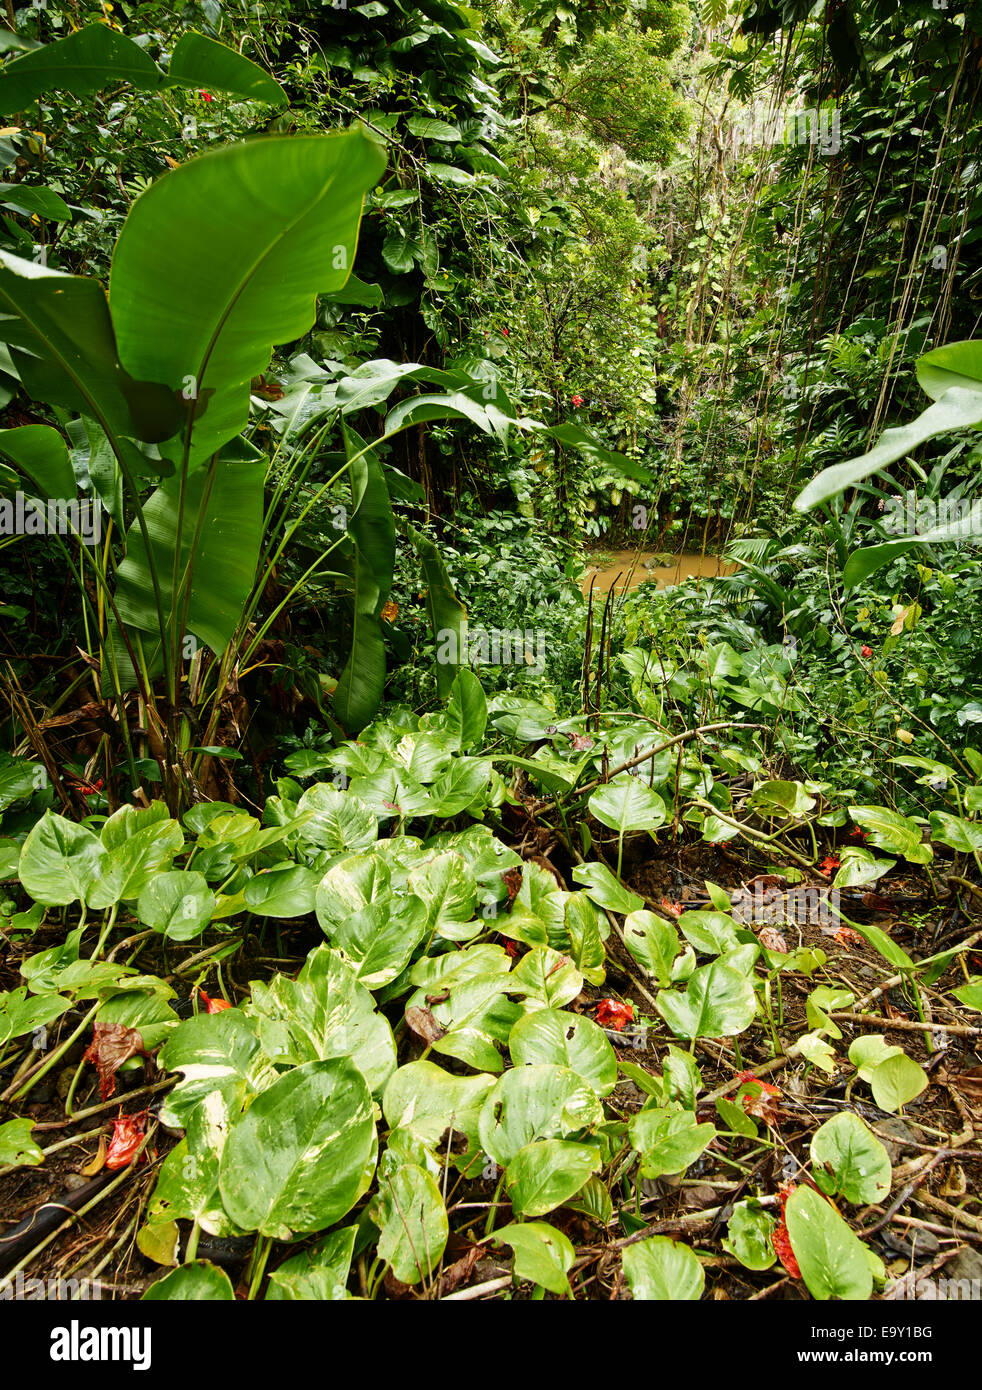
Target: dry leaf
424,1025
98,1162
772,940
112,1044
969,1083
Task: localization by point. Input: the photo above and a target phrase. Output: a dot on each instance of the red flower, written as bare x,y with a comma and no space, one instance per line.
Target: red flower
780,1238
830,862
760,1101
511,949
504,332
675,909
128,1132
857,834
207,95
611,1013
866,652
577,400
214,1006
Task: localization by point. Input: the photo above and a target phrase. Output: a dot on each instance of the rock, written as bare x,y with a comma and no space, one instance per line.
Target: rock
967,1264
895,1136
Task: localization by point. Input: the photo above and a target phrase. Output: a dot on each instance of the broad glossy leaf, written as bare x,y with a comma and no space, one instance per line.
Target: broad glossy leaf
628,805
414,1223
299,1158
21,1013
63,345
849,1161
583,937
60,862
661,1270
605,889
543,1175
318,1274
780,798
374,928
477,1018
43,201
286,890
40,453
427,1100
565,1040
446,885
954,364
201,62
446,613
669,1141
130,866
339,820
711,933
214,1052
718,1002
653,942
218,534
187,1184
535,1102
198,1282
867,1052
893,832
542,1254
325,1012
86,61
467,711
897,1081
970,993
463,787
550,979
832,1260
959,834
202,312
956,409
17,1148
179,904
748,1235
372,530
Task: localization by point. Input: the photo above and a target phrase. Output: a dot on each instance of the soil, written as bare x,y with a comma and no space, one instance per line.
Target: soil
628,569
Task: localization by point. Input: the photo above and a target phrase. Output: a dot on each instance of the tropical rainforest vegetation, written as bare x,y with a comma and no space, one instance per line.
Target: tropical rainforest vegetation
403,894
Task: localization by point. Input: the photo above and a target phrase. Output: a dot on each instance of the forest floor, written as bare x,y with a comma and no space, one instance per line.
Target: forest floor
932,1220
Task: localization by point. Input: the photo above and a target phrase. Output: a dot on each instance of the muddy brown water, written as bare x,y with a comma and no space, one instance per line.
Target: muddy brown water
626,569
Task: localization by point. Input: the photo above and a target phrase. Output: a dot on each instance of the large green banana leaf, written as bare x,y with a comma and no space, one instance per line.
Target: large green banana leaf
40,453
223,258
446,612
97,57
372,529
62,345
222,522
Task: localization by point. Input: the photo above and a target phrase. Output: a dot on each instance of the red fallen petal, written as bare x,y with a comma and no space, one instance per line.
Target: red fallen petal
866,652
846,937
674,908
213,1006
128,1132
611,1013
782,1249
